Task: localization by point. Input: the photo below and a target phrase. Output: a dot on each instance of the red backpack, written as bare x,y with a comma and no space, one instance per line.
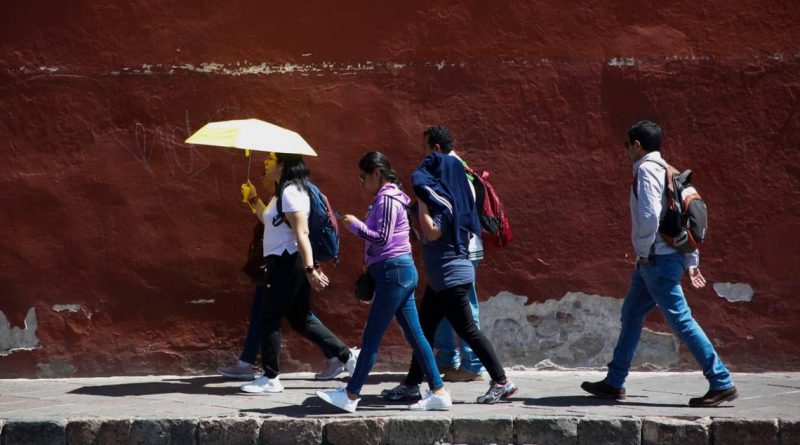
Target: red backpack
490,210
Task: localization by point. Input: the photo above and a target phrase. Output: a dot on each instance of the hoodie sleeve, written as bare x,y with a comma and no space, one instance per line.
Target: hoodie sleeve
385,211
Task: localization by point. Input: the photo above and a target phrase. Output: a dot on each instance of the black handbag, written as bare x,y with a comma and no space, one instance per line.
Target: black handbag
256,266
365,287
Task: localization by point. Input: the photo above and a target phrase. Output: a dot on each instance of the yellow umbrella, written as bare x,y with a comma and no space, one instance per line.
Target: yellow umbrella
251,134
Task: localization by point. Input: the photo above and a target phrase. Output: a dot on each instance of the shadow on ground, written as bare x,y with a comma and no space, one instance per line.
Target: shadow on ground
199,385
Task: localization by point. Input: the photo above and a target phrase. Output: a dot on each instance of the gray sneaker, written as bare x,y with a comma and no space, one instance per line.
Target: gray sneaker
237,372
401,392
335,367
497,392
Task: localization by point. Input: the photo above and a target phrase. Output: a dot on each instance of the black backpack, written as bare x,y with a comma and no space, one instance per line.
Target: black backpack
685,221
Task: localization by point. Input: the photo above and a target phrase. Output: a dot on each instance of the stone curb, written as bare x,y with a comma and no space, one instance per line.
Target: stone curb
551,430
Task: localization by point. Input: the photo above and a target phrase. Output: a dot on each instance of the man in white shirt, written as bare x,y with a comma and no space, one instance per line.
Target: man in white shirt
656,279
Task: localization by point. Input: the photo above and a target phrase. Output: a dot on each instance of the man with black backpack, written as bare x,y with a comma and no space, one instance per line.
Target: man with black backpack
656,280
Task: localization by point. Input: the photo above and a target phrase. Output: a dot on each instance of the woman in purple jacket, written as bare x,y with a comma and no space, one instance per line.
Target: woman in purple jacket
388,259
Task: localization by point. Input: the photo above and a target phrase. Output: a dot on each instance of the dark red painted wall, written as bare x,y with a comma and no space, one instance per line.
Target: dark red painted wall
102,204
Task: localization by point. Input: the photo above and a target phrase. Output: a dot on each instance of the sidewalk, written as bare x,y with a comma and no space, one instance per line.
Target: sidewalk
549,408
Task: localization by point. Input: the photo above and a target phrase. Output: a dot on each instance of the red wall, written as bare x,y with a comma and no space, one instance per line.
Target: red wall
102,204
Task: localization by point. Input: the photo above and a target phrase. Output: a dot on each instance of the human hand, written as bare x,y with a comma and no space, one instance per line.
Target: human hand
318,280
249,192
696,278
348,219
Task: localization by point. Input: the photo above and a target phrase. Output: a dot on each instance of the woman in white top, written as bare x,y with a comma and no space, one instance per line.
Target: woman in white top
291,273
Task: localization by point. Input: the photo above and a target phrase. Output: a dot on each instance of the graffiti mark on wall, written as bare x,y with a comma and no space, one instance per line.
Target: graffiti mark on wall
13,339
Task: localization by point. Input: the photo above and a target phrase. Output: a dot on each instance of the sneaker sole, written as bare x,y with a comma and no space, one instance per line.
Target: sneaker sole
263,392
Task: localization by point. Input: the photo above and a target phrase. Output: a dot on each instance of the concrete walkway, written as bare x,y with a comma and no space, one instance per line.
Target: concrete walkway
550,408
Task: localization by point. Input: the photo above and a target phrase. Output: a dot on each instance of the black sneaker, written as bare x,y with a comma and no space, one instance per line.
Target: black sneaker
401,392
497,391
715,397
603,390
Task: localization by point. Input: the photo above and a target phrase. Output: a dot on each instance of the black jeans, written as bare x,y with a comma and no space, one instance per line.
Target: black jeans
453,303
288,294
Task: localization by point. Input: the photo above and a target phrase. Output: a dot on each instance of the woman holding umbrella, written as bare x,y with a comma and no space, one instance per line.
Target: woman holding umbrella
291,271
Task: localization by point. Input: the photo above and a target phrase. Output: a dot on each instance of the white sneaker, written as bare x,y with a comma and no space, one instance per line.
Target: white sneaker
335,367
338,398
433,401
350,366
263,385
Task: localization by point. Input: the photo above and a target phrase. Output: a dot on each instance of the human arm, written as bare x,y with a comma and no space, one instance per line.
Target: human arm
298,221
250,196
430,230
383,223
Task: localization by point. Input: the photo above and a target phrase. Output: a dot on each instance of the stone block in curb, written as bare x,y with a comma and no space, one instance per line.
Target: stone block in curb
35,433
228,431
609,431
419,431
483,430
163,432
745,431
789,434
366,431
552,430
98,431
288,431
673,431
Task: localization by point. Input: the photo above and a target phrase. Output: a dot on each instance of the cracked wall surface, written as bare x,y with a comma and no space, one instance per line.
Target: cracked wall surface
578,330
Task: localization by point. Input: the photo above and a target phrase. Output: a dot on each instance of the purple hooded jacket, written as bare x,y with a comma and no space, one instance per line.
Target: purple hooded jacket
386,228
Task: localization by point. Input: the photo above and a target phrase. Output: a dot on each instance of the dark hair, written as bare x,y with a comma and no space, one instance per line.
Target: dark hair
439,135
648,134
377,160
295,171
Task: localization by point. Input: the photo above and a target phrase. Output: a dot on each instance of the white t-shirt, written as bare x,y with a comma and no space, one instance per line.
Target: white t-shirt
280,238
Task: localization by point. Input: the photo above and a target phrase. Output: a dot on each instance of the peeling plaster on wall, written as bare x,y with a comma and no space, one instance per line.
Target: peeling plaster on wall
348,69
67,307
202,301
734,292
579,330
18,339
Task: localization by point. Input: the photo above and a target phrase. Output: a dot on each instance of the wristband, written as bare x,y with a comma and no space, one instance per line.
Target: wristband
310,269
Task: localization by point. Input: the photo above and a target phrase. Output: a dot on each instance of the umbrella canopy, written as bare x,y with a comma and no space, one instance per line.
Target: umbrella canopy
251,134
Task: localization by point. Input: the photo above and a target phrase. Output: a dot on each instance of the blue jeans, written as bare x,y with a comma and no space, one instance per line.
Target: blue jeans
659,284
395,282
252,342
447,348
